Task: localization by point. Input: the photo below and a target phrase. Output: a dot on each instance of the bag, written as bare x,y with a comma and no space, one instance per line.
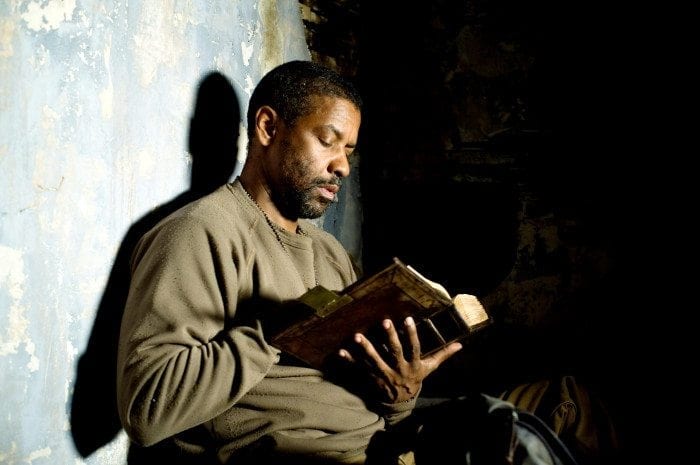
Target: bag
485,430
576,414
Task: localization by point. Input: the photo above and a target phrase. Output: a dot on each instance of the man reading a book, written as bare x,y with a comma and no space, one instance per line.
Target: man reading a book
197,377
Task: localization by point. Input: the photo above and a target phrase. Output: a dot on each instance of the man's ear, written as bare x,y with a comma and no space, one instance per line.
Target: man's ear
265,125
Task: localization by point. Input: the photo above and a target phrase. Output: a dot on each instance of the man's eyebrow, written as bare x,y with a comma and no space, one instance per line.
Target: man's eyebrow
338,133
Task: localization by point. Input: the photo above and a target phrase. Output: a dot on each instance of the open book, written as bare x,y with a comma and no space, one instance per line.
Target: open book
321,321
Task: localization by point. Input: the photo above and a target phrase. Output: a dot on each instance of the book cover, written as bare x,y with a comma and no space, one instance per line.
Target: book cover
321,321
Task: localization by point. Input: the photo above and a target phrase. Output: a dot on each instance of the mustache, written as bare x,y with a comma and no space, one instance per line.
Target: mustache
335,180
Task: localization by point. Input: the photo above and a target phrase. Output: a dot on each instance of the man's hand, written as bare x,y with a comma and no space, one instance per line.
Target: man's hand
400,373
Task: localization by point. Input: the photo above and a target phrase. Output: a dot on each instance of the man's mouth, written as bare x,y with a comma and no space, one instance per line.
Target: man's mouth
329,191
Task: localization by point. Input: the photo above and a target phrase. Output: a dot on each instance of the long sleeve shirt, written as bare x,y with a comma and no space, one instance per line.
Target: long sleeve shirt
194,367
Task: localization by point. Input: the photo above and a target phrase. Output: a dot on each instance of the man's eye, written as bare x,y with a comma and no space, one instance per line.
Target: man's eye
324,142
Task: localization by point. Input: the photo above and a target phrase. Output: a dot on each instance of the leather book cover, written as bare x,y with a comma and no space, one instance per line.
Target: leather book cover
322,321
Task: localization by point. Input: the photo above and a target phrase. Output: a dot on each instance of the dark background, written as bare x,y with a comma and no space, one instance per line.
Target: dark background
504,152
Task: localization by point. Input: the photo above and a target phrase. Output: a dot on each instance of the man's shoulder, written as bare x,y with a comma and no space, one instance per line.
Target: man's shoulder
215,212
216,218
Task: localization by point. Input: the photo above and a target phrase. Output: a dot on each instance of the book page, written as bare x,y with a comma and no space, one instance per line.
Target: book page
433,284
470,309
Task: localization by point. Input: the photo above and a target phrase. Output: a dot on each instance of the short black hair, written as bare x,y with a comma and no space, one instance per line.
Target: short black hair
288,89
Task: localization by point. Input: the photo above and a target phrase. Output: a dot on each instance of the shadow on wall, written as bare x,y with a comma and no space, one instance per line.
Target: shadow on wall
213,138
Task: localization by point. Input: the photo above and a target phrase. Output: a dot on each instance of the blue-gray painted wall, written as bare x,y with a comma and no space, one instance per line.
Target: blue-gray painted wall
96,98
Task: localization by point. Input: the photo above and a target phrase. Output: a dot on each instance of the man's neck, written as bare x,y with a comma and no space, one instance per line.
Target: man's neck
260,195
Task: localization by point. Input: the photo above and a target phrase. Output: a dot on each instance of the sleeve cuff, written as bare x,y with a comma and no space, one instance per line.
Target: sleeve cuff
393,413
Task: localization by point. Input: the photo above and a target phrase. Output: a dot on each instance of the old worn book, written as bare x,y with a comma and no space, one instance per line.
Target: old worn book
321,322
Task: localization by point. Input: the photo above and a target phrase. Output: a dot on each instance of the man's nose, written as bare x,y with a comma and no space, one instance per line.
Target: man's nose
339,165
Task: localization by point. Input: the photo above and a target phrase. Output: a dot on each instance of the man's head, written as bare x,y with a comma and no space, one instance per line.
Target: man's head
288,89
303,123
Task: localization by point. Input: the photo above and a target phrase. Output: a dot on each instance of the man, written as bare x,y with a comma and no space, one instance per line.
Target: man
195,374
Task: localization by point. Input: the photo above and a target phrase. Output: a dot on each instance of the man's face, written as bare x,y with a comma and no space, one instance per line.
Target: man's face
312,157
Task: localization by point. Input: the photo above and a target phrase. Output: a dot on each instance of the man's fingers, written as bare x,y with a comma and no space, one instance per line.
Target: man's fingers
413,340
436,359
373,358
394,348
346,355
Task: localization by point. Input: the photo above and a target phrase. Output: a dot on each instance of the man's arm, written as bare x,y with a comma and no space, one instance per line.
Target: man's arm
179,364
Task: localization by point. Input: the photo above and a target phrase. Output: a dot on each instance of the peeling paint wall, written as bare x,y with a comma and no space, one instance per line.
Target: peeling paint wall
95,103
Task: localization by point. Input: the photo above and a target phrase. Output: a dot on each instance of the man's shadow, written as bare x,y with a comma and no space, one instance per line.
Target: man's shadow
213,141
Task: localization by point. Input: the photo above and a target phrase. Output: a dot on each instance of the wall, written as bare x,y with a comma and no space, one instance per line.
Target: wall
332,28
103,111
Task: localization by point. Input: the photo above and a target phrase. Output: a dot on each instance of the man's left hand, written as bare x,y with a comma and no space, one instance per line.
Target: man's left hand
399,374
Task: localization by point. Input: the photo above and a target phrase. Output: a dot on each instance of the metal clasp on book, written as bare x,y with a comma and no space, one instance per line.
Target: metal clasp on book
323,301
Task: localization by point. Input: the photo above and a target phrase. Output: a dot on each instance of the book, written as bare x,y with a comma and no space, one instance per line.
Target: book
315,326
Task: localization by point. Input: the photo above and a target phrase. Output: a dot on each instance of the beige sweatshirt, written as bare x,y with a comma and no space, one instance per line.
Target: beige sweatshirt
193,364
